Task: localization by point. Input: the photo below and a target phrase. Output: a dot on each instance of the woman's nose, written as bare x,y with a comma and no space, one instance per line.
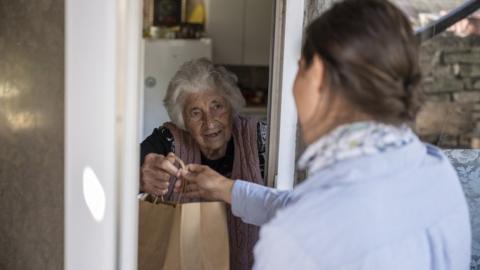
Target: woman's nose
207,120
210,123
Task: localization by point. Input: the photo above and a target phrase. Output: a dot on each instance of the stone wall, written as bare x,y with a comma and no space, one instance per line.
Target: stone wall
451,69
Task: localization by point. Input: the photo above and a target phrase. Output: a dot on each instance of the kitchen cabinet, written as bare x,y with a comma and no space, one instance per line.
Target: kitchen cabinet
240,31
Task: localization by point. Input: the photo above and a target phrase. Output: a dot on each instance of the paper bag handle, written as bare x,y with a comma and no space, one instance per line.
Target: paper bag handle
183,187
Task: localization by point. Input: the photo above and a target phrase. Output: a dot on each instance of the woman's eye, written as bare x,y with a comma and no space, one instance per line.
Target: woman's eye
217,106
195,114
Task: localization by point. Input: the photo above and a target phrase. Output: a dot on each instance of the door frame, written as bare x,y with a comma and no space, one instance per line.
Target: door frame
102,45
282,115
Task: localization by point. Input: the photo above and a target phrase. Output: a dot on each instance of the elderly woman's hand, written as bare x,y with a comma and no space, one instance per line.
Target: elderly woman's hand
206,183
156,172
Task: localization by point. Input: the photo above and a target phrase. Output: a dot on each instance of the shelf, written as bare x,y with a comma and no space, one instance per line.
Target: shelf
262,111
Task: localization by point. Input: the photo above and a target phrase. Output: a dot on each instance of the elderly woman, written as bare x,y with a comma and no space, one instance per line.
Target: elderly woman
376,196
203,102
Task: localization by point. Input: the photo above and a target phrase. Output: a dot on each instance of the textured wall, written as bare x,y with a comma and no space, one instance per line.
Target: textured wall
314,8
31,134
428,5
451,69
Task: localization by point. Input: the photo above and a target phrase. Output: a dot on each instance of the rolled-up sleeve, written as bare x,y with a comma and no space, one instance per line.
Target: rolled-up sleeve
256,204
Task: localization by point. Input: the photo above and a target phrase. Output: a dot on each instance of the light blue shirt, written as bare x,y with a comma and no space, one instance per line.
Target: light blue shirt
402,209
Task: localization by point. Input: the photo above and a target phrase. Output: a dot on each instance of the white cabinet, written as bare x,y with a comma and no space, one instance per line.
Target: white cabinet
240,31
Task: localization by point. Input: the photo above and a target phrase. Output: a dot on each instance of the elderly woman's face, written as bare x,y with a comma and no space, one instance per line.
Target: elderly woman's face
208,118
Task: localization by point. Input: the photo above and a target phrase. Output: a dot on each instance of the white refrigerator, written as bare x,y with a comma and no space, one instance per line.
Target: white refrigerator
163,57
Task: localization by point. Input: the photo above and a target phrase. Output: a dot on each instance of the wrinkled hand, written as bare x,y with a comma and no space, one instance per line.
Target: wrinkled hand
156,172
205,183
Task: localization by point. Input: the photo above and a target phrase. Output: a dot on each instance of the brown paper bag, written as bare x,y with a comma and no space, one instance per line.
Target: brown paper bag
188,236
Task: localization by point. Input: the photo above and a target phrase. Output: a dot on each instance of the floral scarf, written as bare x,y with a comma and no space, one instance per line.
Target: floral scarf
354,140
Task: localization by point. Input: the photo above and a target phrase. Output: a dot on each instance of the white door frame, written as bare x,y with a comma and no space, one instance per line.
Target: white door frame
287,42
101,133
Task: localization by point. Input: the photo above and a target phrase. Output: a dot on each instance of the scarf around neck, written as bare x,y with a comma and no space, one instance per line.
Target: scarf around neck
354,140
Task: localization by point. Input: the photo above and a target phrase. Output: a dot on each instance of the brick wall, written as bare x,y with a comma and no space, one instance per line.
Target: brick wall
451,70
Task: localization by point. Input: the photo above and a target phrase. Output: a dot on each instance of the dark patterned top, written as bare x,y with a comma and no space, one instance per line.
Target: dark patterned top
161,141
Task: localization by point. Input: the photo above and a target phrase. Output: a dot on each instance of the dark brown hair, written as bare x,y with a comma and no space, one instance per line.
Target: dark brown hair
370,55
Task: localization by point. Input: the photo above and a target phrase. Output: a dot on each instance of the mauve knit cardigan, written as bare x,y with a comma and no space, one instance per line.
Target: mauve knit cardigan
242,236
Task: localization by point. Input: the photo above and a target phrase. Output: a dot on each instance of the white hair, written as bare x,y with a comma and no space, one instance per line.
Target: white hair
196,76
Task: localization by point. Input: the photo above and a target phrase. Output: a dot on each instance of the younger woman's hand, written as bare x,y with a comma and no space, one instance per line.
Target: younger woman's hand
206,183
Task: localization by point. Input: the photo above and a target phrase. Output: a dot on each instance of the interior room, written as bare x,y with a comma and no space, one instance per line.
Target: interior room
234,34
240,134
